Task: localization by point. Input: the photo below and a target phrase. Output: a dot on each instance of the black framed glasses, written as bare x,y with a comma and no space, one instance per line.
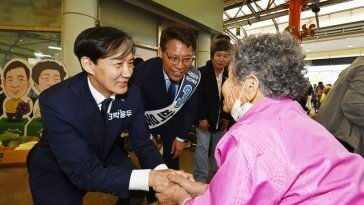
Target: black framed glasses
176,60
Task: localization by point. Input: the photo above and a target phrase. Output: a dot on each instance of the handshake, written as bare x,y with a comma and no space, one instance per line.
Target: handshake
175,187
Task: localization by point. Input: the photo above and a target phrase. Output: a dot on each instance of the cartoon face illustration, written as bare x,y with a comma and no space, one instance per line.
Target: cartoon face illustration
16,79
44,75
16,86
47,73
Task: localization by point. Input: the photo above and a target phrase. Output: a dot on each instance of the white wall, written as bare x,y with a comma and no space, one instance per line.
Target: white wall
327,74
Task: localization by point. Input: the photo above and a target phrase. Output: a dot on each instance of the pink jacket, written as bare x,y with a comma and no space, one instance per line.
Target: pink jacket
276,154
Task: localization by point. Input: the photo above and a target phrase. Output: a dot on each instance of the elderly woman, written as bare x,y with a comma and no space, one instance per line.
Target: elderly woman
274,154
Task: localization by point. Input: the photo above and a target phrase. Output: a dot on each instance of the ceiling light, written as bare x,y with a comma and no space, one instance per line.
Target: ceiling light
55,48
350,46
39,54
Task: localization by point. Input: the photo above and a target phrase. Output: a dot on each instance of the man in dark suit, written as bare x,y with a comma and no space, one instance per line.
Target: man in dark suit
81,149
342,112
211,121
156,78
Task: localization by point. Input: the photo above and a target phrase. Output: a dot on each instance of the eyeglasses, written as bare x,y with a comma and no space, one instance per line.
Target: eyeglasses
176,60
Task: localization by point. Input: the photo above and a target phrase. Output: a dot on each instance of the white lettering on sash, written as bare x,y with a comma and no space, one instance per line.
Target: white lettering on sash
189,84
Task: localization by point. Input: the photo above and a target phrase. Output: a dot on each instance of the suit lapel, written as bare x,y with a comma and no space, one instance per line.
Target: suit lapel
93,119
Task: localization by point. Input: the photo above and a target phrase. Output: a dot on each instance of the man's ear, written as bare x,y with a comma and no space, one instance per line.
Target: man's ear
252,86
160,52
88,65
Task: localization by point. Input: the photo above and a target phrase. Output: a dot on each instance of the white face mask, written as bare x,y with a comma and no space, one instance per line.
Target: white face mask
238,110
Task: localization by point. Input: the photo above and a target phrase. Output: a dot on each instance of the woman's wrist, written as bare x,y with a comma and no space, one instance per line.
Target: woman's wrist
200,188
184,199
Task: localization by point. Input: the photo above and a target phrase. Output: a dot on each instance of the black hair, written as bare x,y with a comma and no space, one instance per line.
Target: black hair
137,61
102,42
220,44
184,34
222,36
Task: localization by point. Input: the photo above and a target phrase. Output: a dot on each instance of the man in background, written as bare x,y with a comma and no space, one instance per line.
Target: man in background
168,84
342,113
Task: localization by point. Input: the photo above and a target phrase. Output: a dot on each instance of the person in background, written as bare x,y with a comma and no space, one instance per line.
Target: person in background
342,113
168,84
211,121
309,99
138,60
314,98
319,91
274,153
325,91
81,149
223,36
305,101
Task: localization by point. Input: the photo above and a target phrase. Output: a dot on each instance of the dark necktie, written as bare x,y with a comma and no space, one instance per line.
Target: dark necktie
104,106
172,91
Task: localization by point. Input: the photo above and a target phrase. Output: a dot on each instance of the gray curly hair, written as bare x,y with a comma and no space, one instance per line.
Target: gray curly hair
276,60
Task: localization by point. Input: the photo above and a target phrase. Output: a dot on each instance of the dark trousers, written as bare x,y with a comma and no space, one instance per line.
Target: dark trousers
167,156
44,193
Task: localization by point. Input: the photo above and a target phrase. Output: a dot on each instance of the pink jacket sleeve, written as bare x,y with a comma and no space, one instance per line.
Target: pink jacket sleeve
248,174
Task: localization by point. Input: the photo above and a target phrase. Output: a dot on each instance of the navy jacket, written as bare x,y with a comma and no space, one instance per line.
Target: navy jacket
209,102
76,144
150,79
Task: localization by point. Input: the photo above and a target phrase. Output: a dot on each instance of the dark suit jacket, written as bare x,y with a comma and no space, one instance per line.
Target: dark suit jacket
76,144
342,112
209,102
149,77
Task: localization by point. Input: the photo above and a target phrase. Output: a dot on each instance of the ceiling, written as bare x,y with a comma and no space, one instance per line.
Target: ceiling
28,45
251,16
28,28
341,22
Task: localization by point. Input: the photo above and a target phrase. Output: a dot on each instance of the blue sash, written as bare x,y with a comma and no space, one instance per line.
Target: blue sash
156,118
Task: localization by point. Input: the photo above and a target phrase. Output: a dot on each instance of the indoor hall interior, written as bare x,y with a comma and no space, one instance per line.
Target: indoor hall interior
331,34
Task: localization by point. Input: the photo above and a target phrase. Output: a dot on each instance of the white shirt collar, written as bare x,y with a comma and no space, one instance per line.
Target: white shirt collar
167,81
165,76
96,94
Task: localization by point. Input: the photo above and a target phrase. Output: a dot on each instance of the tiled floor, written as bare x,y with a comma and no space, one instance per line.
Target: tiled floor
14,188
